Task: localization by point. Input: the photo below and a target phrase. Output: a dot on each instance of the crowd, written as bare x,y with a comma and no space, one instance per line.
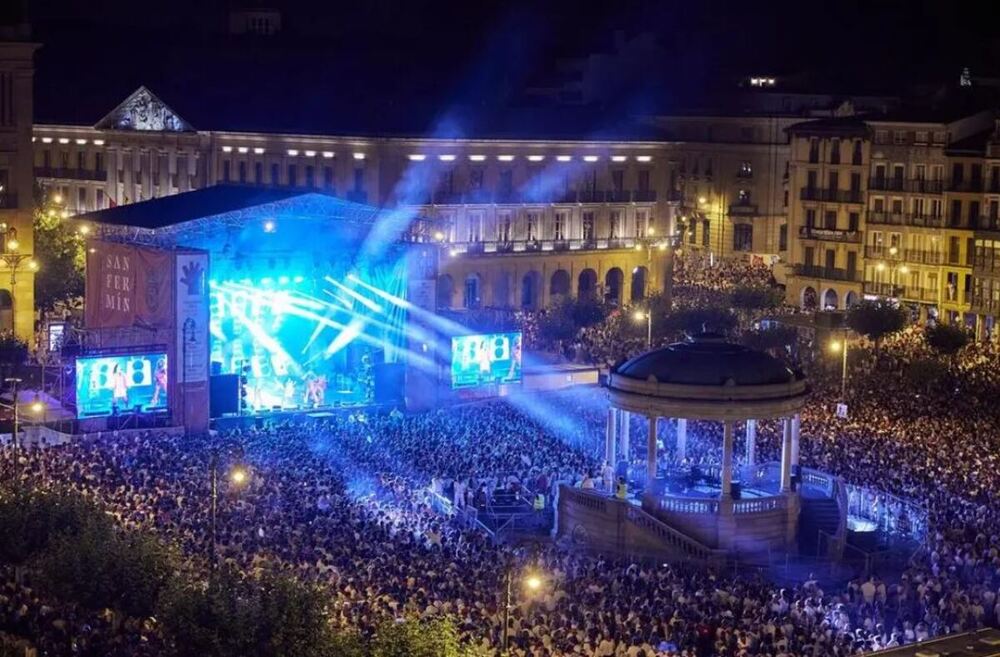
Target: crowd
347,503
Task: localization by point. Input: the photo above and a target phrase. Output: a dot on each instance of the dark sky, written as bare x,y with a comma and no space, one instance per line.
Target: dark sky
415,53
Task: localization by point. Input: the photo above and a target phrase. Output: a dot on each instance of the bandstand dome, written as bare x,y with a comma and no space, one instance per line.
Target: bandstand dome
708,378
706,360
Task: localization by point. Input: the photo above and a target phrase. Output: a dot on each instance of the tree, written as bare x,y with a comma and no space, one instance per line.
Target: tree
273,615
697,320
13,354
60,252
946,339
876,319
746,299
413,638
29,520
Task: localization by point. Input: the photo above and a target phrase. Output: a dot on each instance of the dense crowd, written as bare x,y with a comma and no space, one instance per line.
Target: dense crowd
348,503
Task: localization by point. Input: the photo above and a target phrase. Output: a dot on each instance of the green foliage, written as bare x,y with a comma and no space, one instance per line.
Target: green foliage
749,298
413,638
876,319
102,566
946,339
234,616
60,252
698,320
563,319
29,520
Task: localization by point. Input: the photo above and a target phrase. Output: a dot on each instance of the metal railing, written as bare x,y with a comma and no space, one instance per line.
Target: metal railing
916,185
831,195
829,234
828,273
905,219
890,513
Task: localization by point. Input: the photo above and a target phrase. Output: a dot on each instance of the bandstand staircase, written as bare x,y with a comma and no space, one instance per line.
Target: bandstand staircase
819,521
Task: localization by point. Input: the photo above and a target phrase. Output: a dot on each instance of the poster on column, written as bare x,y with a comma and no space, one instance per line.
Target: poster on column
192,317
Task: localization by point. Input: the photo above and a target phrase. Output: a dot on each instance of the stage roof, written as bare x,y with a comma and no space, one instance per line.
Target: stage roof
202,217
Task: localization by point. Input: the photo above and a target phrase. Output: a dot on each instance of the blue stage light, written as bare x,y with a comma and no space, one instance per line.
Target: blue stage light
270,226
283,280
298,279
267,280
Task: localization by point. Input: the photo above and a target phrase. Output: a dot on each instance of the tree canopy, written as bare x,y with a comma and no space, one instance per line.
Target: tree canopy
946,339
875,319
60,252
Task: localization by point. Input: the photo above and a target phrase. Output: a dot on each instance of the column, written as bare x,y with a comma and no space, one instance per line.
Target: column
626,433
651,453
786,455
751,443
796,426
611,436
727,459
682,438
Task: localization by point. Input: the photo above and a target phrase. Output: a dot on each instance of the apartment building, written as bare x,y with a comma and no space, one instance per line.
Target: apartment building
887,206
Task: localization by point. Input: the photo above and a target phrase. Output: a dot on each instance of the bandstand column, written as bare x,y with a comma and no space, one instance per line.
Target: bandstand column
751,443
682,438
727,459
611,436
796,427
626,433
651,453
786,455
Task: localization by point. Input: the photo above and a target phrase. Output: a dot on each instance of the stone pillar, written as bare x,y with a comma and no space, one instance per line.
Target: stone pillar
786,455
611,436
796,426
682,438
626,434
751,443
651,453
726,474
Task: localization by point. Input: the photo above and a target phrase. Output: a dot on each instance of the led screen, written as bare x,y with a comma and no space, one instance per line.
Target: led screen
479,360
119,384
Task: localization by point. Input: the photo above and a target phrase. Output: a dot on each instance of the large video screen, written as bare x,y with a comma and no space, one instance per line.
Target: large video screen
479,360
106,385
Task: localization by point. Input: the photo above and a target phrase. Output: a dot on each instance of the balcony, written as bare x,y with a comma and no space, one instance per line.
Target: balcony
506,197
644,196
988,224
914,185
448,197
743,210
906,292
830,195
972,186
882,252
8,201
828,273
566,196
924,257
591,196
905,219
493,247
618,196
985,305
881,289
70,174
829,234
675,196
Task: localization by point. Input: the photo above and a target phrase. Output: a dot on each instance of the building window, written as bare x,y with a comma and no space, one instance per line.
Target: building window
293,175
813,151
881,136
641,223
100,199
783,237
743,197
328,177
559,226
830,220
618,180
258,173
243,172
644,180
705,232
81,160
531,226
746,170
810,218
742,237
588,226
310,176
81,199
475,227
835,151
503,227
225,171
856,155
899,137
275,174
614,224
359,180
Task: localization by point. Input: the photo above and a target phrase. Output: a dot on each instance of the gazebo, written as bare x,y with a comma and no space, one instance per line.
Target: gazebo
706,379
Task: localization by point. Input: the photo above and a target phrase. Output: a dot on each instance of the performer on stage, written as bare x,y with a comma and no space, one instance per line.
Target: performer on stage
159,382
119,388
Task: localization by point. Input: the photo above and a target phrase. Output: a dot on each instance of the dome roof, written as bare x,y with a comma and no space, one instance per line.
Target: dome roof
707,360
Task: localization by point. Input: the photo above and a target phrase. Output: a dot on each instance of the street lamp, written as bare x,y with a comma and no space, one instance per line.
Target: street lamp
533,582
14,260
238,476
648,317
36,407
840,347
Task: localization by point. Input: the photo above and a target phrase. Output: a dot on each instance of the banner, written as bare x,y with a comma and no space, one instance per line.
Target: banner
192,316
127,286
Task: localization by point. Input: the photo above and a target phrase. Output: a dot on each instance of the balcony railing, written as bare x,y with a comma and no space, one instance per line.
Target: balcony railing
70,174
908,292
830,195
924,257
882,252
489,247
985,305
644,196
971,186
743,209
618,196
881,289
828,273
829,234
905,219
8,201
915,185
591,196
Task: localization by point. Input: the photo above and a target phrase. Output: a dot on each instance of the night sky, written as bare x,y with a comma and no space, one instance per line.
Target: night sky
410,62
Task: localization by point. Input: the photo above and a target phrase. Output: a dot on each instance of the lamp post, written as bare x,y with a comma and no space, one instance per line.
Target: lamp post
36,407
895,269
532,582
238,476
648,317
841,348
668,243
13,259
